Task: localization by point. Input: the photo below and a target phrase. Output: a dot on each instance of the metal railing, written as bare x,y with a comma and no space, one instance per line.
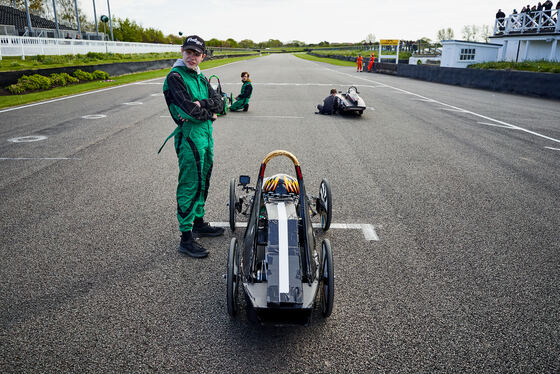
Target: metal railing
32,46
544,21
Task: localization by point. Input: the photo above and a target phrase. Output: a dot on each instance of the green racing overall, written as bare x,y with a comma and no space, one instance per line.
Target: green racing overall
193,138
244,96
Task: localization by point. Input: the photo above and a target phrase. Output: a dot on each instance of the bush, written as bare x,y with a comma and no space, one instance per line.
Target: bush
62,79
16,89
95,55
58,80
34,82
100,75
70,79
83,75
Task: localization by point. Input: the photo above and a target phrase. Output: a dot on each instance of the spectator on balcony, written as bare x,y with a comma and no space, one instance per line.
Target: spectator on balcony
500,15
558,5
539,7
547,6
67,36
514,11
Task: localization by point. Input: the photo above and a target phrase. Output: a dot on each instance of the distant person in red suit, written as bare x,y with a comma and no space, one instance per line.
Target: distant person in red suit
371,61
360,61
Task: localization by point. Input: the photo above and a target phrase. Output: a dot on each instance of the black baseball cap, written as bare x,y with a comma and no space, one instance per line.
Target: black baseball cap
195,42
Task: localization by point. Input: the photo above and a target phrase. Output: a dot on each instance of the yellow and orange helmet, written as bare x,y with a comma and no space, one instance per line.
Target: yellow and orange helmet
281,184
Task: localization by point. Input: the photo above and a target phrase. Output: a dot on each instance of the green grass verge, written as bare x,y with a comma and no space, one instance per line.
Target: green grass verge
333,61
541,66
13,100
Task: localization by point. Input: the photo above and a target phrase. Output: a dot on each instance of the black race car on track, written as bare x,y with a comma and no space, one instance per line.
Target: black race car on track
277,265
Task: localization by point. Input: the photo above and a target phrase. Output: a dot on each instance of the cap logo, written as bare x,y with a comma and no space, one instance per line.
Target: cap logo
196,41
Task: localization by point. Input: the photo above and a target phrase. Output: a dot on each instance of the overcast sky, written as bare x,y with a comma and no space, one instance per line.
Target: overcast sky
310,21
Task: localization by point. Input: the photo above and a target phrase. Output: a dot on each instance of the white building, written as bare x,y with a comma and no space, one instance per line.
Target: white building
518,37
461,53
529,36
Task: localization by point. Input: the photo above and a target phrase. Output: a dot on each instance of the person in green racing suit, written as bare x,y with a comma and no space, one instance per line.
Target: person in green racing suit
193,105
243,98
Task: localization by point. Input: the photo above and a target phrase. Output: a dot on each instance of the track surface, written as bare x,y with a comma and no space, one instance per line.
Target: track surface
464,277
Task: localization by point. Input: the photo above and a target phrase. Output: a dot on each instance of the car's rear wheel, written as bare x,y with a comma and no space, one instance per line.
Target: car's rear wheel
232,205
327,279
232,278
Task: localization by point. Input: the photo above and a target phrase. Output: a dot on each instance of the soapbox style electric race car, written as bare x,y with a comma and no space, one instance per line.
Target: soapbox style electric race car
217,86
276,262
350,102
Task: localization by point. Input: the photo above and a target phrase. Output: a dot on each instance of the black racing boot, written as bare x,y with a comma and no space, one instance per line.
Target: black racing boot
246,107
201,228
190,247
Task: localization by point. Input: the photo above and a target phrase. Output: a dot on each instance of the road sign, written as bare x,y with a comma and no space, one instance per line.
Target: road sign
389,42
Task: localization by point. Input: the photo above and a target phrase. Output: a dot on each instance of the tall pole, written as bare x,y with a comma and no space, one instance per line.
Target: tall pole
55,18
77,17
28,19
110,21
95,18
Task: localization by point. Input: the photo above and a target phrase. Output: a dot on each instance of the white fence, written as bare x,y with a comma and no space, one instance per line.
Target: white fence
30,46
545,21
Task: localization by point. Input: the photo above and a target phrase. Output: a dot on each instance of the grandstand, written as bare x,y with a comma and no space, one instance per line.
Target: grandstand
14,22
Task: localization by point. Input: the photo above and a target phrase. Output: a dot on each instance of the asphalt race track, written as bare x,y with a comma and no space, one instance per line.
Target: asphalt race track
461,187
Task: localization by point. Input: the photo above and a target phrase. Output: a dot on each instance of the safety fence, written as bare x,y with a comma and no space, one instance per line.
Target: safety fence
32,46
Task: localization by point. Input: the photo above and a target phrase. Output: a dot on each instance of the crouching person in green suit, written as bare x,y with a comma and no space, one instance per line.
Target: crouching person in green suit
242,100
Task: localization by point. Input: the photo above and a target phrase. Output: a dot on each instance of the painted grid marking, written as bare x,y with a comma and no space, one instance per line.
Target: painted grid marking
554,149
367,229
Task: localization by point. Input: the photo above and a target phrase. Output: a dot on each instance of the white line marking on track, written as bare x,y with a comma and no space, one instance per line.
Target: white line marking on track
496,125
167,116
133,103
291,117
37,158
371,108
94,116
454,107
367,229
554,149
157,94
424,100
149,83
300,84
454,110
27,139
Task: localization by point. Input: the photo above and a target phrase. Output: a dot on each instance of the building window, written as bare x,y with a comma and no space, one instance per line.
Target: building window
467,54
